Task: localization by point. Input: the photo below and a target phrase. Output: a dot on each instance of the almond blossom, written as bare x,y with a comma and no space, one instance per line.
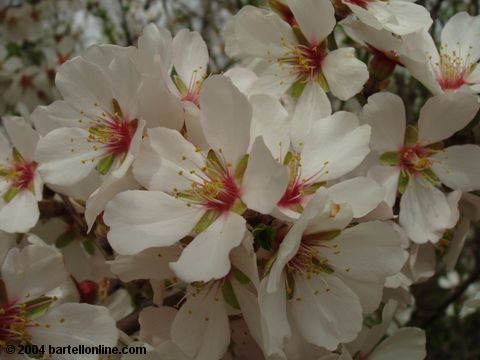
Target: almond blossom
416,164
320,273
297,50
193,189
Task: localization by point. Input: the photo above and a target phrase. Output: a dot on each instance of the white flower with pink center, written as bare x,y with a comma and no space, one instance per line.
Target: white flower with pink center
294,43
21,186
454,65
415,163
204,192
315,275
30,315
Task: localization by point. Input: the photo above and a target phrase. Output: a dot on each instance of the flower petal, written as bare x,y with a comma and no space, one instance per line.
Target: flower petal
265,179
445,114
207,256
458,167
190,56
140,219
345,74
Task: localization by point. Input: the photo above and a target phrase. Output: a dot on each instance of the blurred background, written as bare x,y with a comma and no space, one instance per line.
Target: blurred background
37,36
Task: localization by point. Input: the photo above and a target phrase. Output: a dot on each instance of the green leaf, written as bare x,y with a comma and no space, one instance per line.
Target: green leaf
229,295
105,164
65,239
390,158
264,236
37,311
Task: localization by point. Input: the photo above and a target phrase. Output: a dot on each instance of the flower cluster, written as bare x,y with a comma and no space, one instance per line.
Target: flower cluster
244,214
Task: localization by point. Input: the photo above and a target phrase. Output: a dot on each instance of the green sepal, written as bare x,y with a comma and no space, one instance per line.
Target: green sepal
290,285
264,236
241,277
17,157
180,84
431,176
37,311
288,158
105,164
10,194
298,87
65,239
241,167
117,110
411,135
239,207
403,182
229,295
323,82
390,158
312,189
323,236
206,220
300,35
89,246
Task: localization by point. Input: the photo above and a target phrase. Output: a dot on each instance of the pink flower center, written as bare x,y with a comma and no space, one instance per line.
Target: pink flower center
213,187
306,60
452,70
293,195
13,321
22,175
414,159
192,92
114,134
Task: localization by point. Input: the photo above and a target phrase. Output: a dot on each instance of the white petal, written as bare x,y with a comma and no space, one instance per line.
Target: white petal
154,43
242,78
361,193
84,84
109,188
312,105
456,245
142,219
369,252
72,324
385,113
335,146
265,179
20,214
226,116
422,262
405,17
207,256
24,138
388,177
458,167
316,18
275,80
125,83
164,155
345,74
261,34
32,271
155,323
406,343
190,56
201,327
57,114
445,114
270,120
151,263
424,212
273,307
327,312
60,165
460,34
158,106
